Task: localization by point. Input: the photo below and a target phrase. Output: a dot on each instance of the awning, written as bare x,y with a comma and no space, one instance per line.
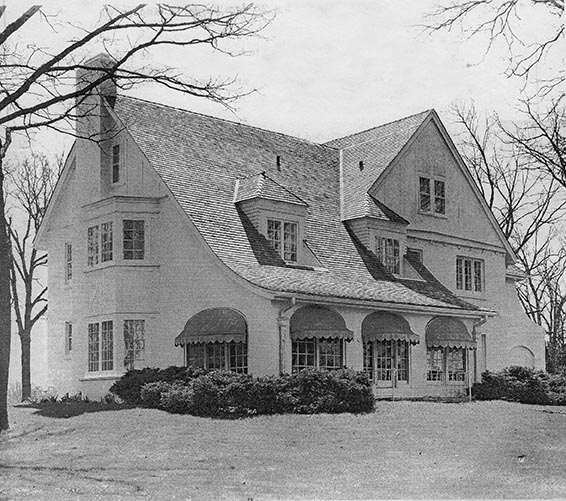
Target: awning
382,325
318,322
215,325
446,332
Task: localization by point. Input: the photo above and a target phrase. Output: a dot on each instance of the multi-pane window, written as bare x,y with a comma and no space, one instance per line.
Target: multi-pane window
68,262
100,346
446,364
386,360
116,163
134,239
432,190
316,353
283,236
99,244
218,356
388,252
469,274
134,342
68,337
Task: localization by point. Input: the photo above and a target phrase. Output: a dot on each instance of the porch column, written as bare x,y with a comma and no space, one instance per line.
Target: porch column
284,345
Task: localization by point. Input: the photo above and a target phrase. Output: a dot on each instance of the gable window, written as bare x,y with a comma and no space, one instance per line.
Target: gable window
230,356
283,236
100,346
134,342
116,163
427,196
388,252
68,262
469,274
134,239
99,244
323,353
68,337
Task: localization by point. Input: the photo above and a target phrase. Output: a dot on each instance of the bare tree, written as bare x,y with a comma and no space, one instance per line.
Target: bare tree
32,182
494,21
37,84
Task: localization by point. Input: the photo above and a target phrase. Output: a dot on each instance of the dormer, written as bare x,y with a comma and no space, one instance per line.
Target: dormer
278,214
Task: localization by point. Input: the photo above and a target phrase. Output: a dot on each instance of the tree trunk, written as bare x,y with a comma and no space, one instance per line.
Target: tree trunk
5,307
25,339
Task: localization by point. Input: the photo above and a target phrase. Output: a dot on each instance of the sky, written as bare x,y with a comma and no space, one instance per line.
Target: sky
322,69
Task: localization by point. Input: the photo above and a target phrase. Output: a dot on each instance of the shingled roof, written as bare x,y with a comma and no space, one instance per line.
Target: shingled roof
200,158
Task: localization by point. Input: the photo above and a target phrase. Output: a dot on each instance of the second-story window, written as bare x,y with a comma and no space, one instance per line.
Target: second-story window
134,239
388,252
116,163
432,195
92,246
99,244
283,236
106,242
469,274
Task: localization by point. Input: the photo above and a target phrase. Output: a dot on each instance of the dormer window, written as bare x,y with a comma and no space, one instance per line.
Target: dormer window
116,163
388,252
283,236
432,195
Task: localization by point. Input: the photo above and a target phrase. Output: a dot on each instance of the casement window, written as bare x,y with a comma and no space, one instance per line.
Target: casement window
99,244
314,353
116,163
432,195
134,342
230,356
388,252
134,239
68,262
446,364
387,360
469,274
101,346
68,337
283,236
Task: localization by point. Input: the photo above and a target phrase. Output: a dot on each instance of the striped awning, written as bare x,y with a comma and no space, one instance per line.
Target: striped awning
446,332
215,325
318,322
383,325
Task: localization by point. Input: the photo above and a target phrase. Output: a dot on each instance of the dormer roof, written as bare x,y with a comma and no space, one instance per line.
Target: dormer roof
262,186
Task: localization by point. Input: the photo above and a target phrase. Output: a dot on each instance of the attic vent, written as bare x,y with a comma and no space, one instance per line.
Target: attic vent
278,162
361,165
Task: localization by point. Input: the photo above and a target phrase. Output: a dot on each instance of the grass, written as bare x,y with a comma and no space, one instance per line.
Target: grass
403,450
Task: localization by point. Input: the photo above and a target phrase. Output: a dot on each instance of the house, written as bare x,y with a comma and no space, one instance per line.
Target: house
181,238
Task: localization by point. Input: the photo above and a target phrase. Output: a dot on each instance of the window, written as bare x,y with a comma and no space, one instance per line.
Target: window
386,360
469,274
68,337
416,254
283,236
446,364
68,262
99,244
100,346
134,239
134,342
219,356
318,353
425,195
116,163
387,251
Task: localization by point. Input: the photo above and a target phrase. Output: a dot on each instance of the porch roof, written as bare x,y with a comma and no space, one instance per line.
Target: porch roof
445,332
215,325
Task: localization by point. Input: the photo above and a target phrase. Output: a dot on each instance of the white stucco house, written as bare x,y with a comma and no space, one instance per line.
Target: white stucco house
188,239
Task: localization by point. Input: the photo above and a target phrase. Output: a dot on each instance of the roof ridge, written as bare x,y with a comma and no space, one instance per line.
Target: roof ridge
312,143
377,127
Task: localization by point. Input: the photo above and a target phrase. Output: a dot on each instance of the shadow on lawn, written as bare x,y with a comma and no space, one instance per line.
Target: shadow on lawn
66,410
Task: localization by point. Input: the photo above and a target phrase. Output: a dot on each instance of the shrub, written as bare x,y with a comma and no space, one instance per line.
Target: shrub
150,393
178,399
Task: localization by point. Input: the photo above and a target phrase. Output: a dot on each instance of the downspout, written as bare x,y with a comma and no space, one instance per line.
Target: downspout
281,319
477,324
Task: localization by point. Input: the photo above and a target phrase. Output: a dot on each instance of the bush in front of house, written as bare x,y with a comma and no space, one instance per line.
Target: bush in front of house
227,394
522,384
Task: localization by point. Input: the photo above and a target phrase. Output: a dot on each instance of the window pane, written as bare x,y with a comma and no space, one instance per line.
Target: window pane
134,341
439,197
388,252
239,357
274,234
216,356
368,359
134,239
107,346
303,353
330,354
106,242
68,337
290,242
456,364
92,246
478,276
402,361
116,163
467,275
196,355
459,273
68,261
435,364
93,347
383,360
424,187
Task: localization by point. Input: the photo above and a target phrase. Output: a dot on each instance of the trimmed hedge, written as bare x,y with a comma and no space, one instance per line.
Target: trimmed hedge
225,394
522,384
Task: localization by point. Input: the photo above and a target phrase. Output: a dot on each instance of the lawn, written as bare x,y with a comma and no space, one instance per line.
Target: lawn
403,450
